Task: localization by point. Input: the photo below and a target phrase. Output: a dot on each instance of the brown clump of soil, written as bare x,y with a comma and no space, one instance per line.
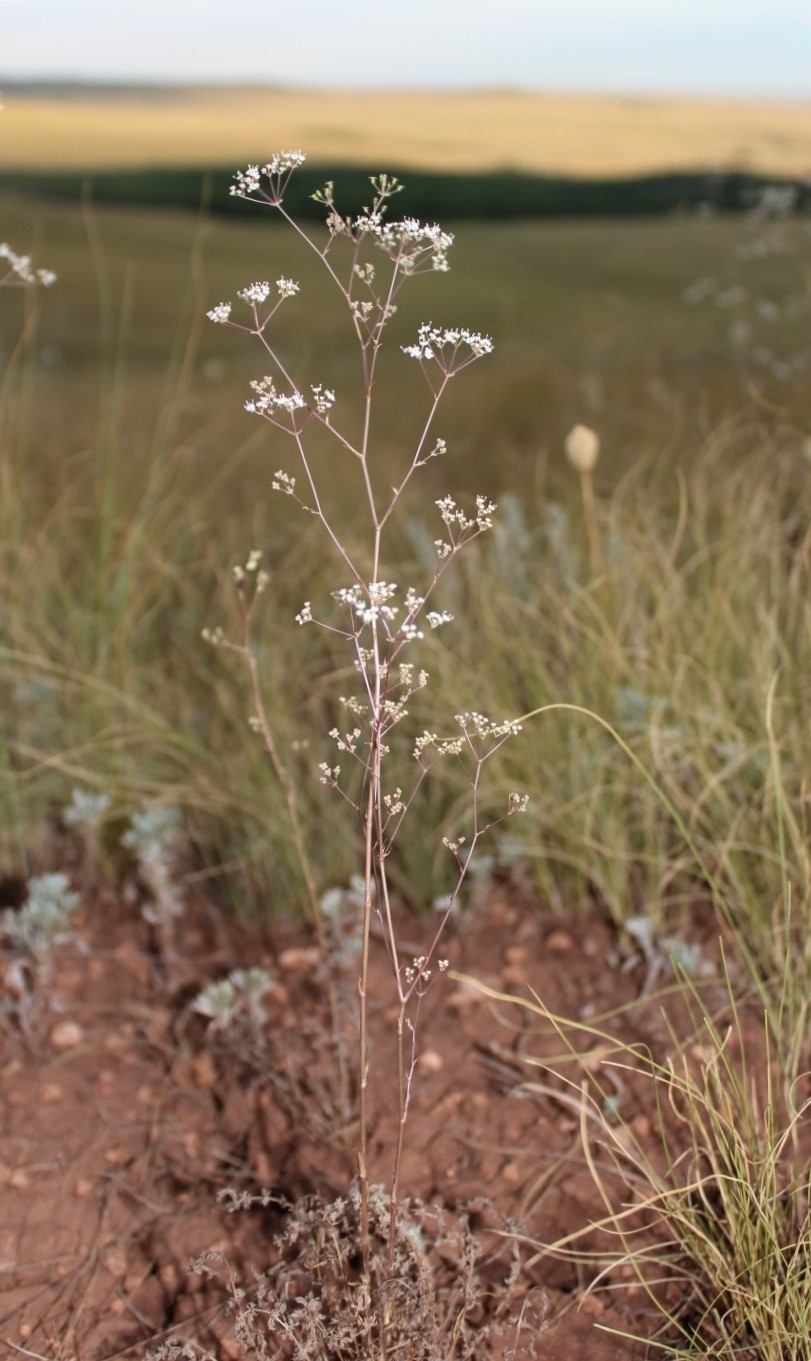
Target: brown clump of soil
122,1120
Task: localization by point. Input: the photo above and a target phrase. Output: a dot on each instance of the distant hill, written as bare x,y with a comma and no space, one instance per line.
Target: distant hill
62,126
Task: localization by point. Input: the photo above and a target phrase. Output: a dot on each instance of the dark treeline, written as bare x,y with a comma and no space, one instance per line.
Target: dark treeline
429,196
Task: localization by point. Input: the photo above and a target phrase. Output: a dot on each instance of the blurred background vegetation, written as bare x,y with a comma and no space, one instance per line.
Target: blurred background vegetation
132,482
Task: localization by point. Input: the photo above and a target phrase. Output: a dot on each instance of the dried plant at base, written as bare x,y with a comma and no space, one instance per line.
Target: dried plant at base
381,623
452,1294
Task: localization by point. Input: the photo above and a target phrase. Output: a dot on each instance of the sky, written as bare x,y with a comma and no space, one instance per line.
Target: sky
724,47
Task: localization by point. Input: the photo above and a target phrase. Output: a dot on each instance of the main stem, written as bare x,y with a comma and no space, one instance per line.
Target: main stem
363,979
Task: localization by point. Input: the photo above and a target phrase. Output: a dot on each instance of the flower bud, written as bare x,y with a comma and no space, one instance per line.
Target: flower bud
582,447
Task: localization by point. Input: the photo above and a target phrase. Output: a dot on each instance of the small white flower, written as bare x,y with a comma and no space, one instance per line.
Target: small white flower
434,341
268,400
283,482
287,288
438,617
21,271
258,292
323,398
220,314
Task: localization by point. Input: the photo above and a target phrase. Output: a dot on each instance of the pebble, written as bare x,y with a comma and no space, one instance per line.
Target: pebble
116,1156
559,942
641,1126
431,1062
66,1035
591,1306
299,958
82,1188
50,1093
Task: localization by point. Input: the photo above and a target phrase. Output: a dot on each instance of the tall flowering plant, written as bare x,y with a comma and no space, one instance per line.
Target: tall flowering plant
369,259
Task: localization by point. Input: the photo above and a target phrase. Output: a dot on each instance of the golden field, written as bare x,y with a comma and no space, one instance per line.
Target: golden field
556,134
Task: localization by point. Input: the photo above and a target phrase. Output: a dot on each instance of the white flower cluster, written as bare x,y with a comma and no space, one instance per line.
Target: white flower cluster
248,183
353,705
21,271
372,603
433,340
457,519
417,969
443,746
220,314
476,725
252,571
269,400
517,803
406,674
283,482
347,741
260,291
255,294
409,243
323,398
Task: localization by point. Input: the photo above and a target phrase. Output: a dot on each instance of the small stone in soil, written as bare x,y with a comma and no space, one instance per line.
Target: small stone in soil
66,1035
299,958
559,942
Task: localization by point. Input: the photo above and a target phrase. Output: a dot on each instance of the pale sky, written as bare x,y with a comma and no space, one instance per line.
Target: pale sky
725,47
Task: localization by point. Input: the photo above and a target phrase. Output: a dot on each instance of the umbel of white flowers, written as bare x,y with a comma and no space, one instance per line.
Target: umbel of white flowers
582,446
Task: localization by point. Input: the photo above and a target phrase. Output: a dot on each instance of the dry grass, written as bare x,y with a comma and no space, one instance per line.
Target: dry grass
566,134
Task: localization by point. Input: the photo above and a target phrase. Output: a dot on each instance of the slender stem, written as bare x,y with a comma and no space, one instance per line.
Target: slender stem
592,527
363,995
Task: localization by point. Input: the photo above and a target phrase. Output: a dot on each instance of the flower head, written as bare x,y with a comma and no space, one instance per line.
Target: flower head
582,447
